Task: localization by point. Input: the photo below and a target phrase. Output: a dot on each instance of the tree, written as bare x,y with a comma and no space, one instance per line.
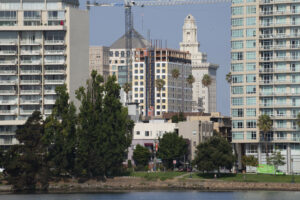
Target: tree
141,156
25,164
276,159
60,133
298,119
175,73
178,117
229,77
190,79
206,81
127,87
214,154
160,83
104,129
265,126
250,161
171,147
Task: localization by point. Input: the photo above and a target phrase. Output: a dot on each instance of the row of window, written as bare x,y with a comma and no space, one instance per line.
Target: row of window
250,55
250,89
242,1
250,78
236,124
239,10
250,44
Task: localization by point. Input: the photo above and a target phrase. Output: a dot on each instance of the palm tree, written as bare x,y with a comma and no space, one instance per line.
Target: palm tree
190,79
206,81
298,119
229,77
160,83
127,88
265,125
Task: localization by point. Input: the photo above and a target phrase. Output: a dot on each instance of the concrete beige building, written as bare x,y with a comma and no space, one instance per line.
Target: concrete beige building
265,67
196,132
152,64
99,60
204,98
43,44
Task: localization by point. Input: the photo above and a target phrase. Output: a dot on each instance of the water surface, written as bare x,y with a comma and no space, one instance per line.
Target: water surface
190,195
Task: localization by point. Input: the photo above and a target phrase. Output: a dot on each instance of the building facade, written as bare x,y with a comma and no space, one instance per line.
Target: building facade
204,98
99,60
152,64
265,67
43,44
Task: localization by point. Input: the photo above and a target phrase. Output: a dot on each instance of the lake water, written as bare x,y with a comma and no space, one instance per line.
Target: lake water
191,195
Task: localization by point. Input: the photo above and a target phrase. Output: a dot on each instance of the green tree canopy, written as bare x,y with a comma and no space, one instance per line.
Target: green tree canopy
25,164
175,73
276,159
60,133
250,161
214,154
171,147
141,156
206,80
178,118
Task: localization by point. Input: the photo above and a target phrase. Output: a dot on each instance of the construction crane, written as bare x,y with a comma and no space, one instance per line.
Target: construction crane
128,4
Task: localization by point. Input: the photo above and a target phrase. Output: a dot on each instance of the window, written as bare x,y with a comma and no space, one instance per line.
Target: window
237,22
250,32
147,133
237,112
250,55
250,78
237,78
250,21
237,44
251,112
252,148
237,10
237,135
237,33
251,123
237,101
250,9
238,67
250,66
138,133
237,55
237,90
237,124
250,89
250,44
251,135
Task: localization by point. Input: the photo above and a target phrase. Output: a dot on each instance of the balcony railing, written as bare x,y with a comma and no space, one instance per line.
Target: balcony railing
8,111
8,52
50,92
49,101
26,111
8,102
54,42
8,72
55,72
31,62
8,62
54,52
54,81
48,111
30,42
7,92
30,81
31,71
30,91
8,42
35,101
57,62
8,82
36,52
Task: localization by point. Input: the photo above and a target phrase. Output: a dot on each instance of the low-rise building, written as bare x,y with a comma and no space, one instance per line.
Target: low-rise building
196,132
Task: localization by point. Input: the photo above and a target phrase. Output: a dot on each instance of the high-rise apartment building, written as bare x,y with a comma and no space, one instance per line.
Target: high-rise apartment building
204,98
99,60
43,44
151,64
265,67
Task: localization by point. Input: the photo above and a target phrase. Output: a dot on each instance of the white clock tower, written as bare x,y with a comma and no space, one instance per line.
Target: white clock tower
204,98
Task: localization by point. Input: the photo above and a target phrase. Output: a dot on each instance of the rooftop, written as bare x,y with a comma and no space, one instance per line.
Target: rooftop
138,41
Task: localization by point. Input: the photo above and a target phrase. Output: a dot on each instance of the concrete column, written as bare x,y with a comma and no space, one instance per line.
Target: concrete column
259,153
239,155
288,158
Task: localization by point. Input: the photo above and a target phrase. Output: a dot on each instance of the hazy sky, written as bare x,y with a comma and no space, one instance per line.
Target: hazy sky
165,23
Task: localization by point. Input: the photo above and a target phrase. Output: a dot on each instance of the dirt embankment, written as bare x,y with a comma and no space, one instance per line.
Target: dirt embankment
123,184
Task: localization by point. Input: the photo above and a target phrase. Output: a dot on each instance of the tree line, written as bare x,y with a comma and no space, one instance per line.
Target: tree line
90,143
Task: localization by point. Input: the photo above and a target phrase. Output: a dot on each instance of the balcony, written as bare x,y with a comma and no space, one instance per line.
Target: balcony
8,62
29,92
48,72
34,52
8,92
55,62
31,72
48,111
49,92
8,42
8,102
8,52
55,52
49,101
54,42
30,102
31,62
8,82
54,81
31,43
26,112
30,82
8,72
8,112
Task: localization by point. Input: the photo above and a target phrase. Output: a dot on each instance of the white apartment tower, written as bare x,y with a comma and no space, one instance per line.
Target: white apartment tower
265,67
204,99
43,44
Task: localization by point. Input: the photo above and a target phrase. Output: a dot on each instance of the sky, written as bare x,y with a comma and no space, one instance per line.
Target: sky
107,24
